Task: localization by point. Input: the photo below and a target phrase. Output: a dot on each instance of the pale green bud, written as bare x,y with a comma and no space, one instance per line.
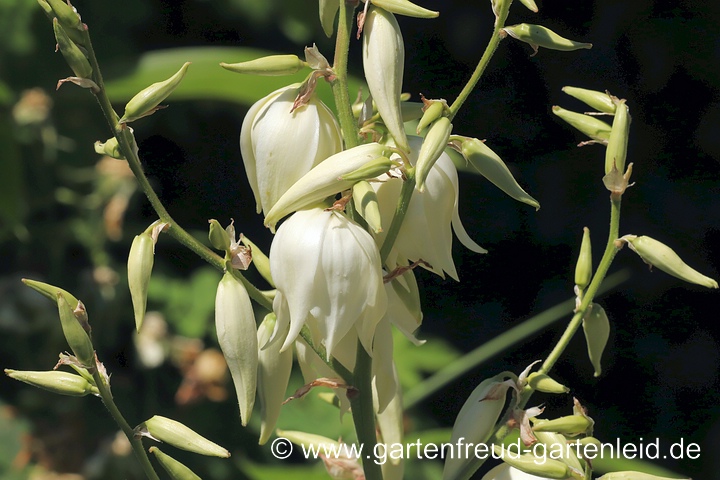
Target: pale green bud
541,467
633,476
274,369
383,64
139,267
432,112
570,425
174,433
147,100
583,267
74,57
432,147
556,442
597,331
591,126
111,148
659,255
218,236
374,168
273,65
405,7
237,336
600,101
530,4
322,181
310,440
328,12
491,166
75,333
476,421
544,383
616,151
260,260
539,36
506,472
63,383
66,15
366,203
175,469
51,292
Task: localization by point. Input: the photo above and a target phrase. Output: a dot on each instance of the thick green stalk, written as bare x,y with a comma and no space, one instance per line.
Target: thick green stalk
340,90
136,443
406,192
363,412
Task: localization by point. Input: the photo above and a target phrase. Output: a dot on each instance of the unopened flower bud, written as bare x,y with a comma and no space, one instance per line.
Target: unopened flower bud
432,147
411,111
63,383
383,63
633,476
147,100
178,435
528,463
218,237
140,265
317,442
111,148
616,151
274,369
570,425
600,101
366,203
432,112
491,166
75,334
538,36
591,126
530,4
328,12
260,260
476,421
583,267
75,58
175,469
544,383
597,331
373,168
322,181
237,336
659,255
405,7
66,15
51,292
273,65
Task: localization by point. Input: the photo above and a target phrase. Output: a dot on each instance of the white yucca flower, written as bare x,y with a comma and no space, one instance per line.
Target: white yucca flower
279,145
425,233
506,472
327,272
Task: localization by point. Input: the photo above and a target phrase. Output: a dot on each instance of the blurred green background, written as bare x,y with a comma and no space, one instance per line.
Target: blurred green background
67,217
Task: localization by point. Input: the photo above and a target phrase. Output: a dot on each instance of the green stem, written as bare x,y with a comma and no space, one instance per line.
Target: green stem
609,254
127,145
348,124
135,442
484,60
406,192
499,344
363,412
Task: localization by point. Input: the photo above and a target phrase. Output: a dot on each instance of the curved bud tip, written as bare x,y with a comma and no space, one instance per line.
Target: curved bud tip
273,65
147,101
405,7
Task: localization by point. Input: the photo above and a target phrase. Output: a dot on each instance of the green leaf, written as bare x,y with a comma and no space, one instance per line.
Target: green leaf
205,79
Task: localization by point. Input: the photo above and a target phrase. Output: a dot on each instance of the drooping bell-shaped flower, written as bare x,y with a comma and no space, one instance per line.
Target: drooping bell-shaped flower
327,272
279,145
425,233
